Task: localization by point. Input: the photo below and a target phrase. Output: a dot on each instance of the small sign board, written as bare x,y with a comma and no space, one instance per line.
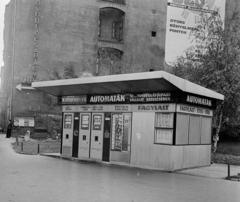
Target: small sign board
24,121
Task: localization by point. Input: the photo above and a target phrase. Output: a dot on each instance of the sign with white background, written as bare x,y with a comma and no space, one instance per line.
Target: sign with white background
182,17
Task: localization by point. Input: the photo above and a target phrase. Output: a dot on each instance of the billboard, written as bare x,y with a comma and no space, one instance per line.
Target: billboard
182,17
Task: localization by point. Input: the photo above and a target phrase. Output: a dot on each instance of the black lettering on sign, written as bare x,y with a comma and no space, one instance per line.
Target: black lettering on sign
156,108
207,111
187,109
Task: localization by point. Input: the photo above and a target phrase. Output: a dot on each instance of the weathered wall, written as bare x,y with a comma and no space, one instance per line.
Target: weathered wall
68,33
8,44
6,73
143,17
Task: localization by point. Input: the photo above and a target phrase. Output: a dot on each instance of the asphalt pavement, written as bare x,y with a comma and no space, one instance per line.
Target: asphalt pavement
216,171
38,178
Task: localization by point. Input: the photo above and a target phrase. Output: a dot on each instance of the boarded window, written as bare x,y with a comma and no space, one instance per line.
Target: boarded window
194,129
206,130
182,129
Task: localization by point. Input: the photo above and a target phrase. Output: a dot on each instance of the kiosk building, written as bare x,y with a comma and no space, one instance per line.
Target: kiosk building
151,120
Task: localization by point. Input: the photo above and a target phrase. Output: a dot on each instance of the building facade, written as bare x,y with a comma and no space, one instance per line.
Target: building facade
100,37
42,35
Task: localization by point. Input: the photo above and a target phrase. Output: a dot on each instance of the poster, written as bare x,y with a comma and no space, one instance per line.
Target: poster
68,121
117,132
85,122
182,17
97,122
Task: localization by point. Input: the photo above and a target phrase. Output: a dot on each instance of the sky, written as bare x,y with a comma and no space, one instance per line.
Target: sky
2,11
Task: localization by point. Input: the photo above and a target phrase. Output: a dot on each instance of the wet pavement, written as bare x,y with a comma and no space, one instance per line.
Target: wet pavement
37,178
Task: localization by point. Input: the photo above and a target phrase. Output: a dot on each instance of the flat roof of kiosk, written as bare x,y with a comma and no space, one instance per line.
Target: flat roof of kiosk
123,83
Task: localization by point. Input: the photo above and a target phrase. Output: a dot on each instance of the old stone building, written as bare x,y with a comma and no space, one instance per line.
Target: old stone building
45,35
100,37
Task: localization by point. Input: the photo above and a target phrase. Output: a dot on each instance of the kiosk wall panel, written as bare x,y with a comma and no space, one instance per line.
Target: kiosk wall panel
66,151
142,138
194,129
144,153
206,130
194,156
191,156
182,129
178,157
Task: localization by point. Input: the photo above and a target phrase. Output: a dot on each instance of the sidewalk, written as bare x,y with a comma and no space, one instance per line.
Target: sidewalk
217,171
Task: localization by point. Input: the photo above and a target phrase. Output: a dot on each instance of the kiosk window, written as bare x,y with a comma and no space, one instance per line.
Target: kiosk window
97,122
206,130
182,127
163,136
194,129
163,128
85,122
121,132
67,121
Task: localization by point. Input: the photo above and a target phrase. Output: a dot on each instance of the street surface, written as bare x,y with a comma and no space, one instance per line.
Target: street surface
27,178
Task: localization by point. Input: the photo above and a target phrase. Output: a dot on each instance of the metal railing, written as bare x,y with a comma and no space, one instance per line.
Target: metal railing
35,147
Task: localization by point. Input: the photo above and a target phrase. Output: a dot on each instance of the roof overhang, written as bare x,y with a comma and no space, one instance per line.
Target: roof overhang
123,83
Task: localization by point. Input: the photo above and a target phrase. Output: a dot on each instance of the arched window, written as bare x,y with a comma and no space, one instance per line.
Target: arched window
111,25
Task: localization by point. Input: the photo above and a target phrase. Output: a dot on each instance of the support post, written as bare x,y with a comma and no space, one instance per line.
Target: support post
228,170
22,145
